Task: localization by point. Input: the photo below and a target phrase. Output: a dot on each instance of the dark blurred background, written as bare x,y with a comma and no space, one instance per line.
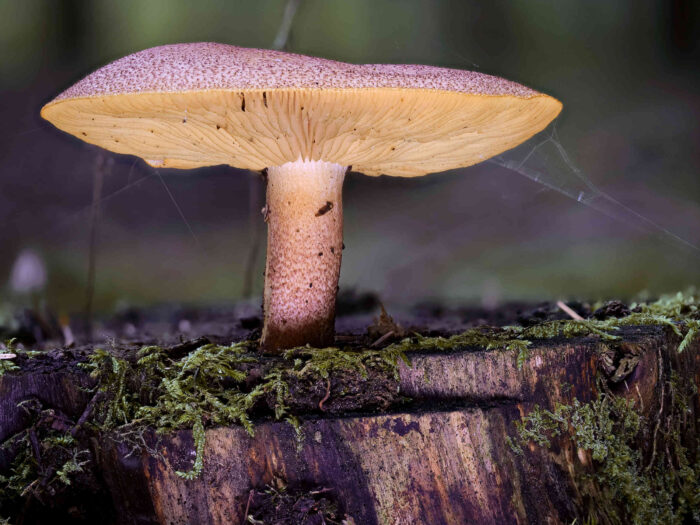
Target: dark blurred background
626,70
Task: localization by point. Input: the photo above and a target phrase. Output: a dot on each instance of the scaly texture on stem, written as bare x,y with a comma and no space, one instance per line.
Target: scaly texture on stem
304,217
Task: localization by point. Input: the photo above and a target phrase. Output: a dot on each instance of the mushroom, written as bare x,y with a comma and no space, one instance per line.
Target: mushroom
306,121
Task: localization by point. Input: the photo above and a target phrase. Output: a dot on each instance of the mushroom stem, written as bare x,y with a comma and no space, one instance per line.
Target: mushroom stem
304,216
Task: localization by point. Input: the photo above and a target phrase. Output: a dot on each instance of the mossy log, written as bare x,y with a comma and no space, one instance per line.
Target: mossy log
443,455
443,458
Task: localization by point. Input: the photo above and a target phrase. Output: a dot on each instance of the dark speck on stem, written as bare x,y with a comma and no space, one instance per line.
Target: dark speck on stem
324,209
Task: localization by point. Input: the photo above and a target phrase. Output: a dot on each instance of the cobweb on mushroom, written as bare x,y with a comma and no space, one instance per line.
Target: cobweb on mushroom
544,160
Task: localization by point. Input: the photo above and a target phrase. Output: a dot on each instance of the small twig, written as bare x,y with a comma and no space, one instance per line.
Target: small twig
59,420
247,506
8,356
29,491
36,449
86,413
661,411
328,394
290,10
641,400
382,339
322,490
565,308
182,349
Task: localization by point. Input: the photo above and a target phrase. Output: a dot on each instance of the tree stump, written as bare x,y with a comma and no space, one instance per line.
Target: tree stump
448,454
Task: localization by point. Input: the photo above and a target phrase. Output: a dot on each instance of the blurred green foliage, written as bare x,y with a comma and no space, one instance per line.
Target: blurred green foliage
627,72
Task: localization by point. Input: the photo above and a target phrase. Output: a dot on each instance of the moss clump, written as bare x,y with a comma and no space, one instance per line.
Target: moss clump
645,469
6,365
680,313
214,385
484,338
327,361
630,482
9,365
279,503
509,338
203,388
48,458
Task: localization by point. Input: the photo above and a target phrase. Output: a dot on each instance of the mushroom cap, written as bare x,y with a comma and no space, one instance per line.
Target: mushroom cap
202,104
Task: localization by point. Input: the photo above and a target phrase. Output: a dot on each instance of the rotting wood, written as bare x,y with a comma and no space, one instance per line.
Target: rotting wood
443,458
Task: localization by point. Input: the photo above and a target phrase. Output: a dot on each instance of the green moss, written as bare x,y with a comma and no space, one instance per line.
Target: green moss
210,386
510,338
199,441
6,365
327,361
680,313
204,388
213,386
633,480
46,459
279,503
486,338
629,485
